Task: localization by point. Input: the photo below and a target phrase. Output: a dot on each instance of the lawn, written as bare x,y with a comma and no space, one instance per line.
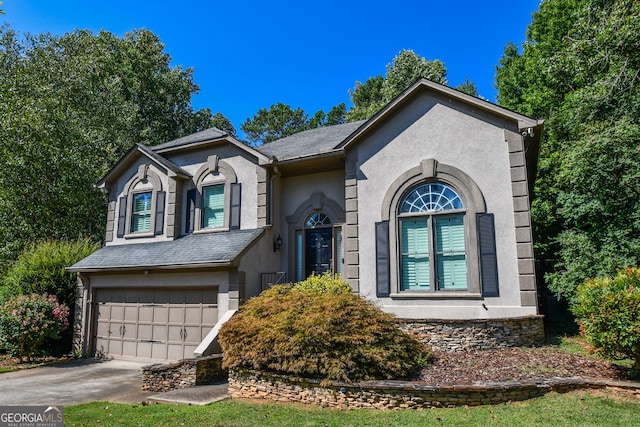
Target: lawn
582,409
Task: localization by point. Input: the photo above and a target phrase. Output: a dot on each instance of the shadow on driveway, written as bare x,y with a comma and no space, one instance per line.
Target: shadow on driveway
74,382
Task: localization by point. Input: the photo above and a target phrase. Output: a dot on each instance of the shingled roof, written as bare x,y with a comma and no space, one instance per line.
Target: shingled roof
194,250
310,142
204,135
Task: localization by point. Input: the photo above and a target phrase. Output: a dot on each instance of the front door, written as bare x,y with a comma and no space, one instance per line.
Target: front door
318,250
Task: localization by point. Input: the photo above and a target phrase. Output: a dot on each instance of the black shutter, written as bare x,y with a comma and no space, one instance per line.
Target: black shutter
488,259
191,210
122,216
382,259
159,225
234,215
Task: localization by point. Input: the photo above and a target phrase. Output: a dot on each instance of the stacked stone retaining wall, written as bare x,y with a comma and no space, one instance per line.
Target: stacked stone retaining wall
483,334
182,374
386,395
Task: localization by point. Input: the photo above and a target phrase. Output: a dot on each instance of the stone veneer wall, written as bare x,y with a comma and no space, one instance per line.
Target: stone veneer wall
463,335
393,394
182,374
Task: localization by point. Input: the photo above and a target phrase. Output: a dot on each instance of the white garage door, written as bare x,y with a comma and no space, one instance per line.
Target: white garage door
153,323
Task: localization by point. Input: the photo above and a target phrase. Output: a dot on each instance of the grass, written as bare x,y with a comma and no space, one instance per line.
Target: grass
572,409
578,345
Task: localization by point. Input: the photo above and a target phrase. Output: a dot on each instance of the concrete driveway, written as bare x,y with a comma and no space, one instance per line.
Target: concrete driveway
74,382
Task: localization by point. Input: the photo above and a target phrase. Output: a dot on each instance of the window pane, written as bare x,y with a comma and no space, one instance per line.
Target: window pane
213,206
415,254
339,256
431,198
299,249
141,215
452,263
318,218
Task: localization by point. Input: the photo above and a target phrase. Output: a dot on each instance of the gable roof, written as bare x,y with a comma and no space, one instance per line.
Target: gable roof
139,149
192,251
310,142
336,139
422,84
206,137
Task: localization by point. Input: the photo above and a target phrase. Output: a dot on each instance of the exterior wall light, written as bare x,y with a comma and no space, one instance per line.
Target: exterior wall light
277,244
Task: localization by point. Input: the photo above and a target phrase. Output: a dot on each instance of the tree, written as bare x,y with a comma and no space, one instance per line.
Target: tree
221,122
70,106
276,122
580,69
468,87
41,269
280,120
406,68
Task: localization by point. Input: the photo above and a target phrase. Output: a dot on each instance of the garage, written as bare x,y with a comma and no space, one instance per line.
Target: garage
155,324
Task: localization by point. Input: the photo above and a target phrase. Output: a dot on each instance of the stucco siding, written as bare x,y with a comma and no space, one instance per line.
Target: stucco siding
246,170
431,129
296,192
117,191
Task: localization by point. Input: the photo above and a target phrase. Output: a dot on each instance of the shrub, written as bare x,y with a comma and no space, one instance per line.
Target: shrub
297,330
27,321
41,269
608,313
326,283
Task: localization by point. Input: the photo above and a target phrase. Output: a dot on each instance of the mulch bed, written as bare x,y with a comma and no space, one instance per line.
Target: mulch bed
516,363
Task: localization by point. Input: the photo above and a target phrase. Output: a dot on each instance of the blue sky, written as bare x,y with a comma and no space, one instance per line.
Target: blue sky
248,55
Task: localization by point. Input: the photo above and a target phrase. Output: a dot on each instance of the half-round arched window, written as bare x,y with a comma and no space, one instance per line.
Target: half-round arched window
432,239
431,197
317,219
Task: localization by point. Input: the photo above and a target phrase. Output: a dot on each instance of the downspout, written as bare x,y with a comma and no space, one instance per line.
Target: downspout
276,174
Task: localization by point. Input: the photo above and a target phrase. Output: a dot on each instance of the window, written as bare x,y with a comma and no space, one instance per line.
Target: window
432,239
141,208
213,206
141,214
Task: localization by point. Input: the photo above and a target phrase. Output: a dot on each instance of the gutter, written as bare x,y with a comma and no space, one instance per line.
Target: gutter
276,173
221,263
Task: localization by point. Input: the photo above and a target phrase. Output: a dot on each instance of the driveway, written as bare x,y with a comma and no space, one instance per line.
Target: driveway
71,383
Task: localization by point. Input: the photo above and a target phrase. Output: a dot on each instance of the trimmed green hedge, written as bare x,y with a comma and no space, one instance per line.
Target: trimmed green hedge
302,330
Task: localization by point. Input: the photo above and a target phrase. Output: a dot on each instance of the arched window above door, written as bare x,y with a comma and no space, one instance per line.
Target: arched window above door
317,219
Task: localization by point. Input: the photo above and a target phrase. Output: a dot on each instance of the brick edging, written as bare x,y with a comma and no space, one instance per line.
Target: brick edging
387,395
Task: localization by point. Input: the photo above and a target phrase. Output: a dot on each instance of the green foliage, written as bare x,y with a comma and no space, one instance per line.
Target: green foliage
468,87
406,68
41,270
70,106
579,70
280,120
328,335
326,283
27,321
608,312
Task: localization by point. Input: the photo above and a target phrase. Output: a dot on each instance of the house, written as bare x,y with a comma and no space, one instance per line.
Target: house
424,209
